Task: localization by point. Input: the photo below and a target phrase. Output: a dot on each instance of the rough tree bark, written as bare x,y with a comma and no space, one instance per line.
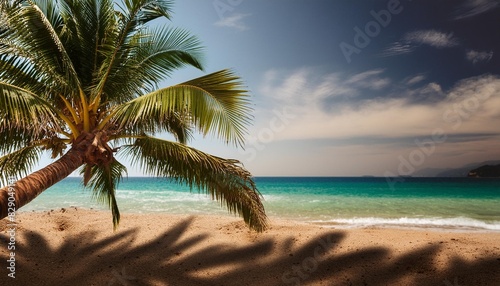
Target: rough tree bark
29,187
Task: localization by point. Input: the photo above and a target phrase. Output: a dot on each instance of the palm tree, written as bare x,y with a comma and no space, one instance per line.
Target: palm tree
80,79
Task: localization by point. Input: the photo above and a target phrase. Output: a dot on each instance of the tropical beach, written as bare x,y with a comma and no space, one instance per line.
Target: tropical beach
322,231
158,142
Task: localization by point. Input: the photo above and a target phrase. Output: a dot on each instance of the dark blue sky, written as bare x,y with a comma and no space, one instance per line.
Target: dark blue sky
424,92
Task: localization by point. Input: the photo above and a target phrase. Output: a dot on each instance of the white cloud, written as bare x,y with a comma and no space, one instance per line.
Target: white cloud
234,21
304,86
364,75
476,7
332,86
433,88
477,56
370,80
470,107
410,41
432,38
414,80
289,87
293,134
398,48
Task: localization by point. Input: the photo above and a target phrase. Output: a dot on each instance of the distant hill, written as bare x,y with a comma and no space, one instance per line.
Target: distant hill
486,171
453,172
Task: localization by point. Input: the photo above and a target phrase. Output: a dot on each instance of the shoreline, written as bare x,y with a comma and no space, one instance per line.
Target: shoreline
75,246
332,224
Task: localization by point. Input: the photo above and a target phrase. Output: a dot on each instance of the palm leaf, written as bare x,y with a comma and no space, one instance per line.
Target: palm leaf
179,124
14,137
216,103
50,9
30,47
152,57
20,71
140,12
32,30
90,33
22,67
24,109
134,15
19,163
104,181
224,180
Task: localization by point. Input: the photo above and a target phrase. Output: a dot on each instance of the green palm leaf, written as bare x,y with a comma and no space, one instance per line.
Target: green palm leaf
140,12
21,108
134,15
14,137
19,163
103,182
153,57
225,180
35,32
90,32
216,103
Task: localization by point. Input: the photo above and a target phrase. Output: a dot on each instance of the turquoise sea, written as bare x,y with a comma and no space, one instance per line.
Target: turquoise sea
451,203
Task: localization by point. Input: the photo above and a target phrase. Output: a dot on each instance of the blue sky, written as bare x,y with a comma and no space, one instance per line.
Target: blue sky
349,88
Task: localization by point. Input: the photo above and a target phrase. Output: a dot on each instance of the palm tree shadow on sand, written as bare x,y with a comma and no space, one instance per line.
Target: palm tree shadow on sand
173,258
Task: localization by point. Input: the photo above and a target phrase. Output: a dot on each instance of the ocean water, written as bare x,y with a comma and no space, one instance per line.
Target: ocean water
451,203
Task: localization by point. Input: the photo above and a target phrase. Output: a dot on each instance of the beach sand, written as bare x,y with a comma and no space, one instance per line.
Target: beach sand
78,247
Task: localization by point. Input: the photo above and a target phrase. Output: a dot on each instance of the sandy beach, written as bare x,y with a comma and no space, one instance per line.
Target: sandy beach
78,247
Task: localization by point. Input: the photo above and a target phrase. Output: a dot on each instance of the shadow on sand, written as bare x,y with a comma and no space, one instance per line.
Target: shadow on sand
175,258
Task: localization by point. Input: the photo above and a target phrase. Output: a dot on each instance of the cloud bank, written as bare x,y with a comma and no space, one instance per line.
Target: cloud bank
368,104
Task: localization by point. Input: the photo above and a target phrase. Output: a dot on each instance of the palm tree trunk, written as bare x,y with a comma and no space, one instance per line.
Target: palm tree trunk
28,188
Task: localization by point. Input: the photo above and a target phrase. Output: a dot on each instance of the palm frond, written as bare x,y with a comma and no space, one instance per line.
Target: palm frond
163,50
22,108
216,103
104,181
90,33
51,11
140,12
30,47
33,30
134,15
152,57
20,70
224,180
19,163
14,137
179,124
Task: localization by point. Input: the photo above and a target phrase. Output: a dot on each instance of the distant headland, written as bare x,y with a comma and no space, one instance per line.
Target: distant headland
460,171
486,171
